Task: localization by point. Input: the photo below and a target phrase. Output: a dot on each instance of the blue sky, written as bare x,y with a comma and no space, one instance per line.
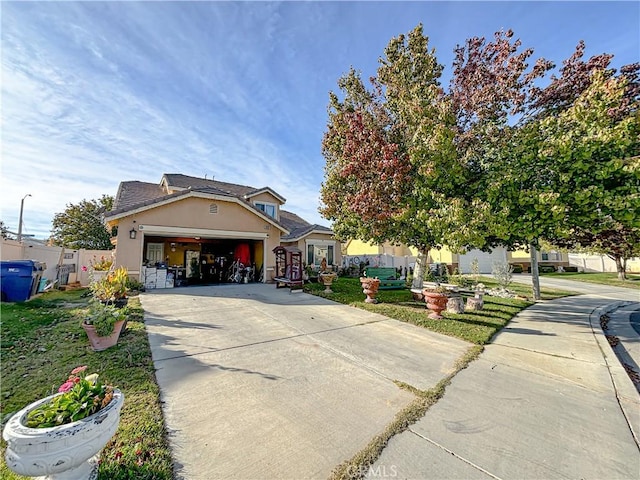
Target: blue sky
96,93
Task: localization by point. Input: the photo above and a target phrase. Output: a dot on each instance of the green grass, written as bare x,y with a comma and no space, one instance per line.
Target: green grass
42,341
633,280
477,327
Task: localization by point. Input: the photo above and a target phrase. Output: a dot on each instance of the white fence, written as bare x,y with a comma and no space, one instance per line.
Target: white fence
383,260
600,263
53,257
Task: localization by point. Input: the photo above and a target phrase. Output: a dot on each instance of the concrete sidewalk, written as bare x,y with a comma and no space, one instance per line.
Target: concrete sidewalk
547,399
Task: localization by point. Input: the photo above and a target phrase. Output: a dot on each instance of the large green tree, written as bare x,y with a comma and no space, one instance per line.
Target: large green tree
81,225
594,148
392,171
556,161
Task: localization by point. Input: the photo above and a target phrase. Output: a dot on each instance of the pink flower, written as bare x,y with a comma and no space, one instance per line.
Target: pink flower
78,370
84,268
66,386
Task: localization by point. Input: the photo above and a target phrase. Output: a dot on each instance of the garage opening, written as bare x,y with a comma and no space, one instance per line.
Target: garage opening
177,262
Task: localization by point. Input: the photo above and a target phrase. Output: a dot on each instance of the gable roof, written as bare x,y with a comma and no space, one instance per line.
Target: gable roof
298,227
265,190
135,196
138,196
179,181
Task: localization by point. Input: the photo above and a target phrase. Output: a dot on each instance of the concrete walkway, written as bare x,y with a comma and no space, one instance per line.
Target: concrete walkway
258,383
547,399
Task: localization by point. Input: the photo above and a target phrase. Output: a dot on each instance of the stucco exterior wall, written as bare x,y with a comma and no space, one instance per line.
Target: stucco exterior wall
358,247
191,214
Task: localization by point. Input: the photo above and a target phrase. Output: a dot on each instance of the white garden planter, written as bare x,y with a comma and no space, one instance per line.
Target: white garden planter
66,452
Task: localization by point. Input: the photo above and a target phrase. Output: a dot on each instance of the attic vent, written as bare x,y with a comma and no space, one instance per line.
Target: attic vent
213,208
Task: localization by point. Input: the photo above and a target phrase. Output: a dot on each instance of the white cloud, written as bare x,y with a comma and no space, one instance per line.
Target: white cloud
96,93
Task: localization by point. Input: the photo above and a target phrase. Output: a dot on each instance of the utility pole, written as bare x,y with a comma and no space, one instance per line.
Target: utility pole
20,220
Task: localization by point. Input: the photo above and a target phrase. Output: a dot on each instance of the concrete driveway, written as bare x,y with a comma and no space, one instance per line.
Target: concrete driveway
262,383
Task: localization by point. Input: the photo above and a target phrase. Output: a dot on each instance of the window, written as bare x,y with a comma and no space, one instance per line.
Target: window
317,251
268,208
551,256
155,253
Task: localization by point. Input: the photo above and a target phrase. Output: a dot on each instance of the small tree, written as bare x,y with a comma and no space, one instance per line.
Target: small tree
503,273
4,232
81,226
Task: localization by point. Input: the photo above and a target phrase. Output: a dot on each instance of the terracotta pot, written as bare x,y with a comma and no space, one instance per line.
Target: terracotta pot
436,302
102,343
327,279
68,451
370,288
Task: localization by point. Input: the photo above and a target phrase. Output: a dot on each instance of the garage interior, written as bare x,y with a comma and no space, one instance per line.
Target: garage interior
202,261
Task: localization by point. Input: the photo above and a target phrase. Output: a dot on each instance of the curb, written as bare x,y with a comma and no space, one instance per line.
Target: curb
624,387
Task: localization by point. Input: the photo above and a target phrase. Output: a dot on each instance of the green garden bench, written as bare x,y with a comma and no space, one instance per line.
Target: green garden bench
387,276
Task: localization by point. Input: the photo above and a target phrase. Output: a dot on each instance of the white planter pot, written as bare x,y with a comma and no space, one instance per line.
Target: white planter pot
66,452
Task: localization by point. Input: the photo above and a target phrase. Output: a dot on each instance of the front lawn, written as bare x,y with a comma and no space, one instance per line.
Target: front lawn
42,341
475,326
633,280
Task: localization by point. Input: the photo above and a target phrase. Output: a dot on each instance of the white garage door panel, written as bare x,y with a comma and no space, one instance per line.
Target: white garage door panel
485,259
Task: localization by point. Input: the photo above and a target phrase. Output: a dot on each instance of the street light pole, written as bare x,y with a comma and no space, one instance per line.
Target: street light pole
20,220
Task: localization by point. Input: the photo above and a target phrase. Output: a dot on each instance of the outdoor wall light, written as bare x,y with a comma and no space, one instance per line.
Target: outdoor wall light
173,247
132,234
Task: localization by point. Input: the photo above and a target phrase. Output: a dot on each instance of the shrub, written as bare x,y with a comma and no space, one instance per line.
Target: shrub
517,268
503,273
112,287
103,316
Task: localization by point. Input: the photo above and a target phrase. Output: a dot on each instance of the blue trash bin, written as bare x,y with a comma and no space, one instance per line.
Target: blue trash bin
16,280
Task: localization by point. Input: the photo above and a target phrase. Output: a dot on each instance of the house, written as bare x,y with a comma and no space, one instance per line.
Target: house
199,228
399,255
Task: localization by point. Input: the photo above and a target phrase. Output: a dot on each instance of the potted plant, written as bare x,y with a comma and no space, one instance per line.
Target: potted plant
436,298
113,288
370,288
326,276
98,268
61,436
104,324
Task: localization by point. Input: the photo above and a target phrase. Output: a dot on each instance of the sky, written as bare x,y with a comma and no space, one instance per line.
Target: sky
95,93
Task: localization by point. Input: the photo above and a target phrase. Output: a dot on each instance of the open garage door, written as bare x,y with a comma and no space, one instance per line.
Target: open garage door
182,261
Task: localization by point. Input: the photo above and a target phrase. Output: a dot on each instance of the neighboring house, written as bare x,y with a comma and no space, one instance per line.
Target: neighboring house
198,225
315,241
453,260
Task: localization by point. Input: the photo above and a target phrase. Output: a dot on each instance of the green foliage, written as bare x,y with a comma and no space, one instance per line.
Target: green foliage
503,273
392,172
102,264
80,398
80,225
42,340
4,231
111,287
103,316
473,326
459,279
